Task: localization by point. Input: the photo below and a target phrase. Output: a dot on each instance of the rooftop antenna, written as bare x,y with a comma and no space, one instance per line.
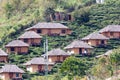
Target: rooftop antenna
46,56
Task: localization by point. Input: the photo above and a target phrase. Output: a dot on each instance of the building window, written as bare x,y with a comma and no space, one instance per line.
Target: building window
63,31
111,33
102,42
39,31
17,74
12,49
26,40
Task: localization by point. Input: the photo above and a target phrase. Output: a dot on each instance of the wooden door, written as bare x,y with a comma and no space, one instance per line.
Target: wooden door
102,42
80,50
39,68
11,75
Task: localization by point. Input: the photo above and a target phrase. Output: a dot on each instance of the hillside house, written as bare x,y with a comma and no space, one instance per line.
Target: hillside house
61,16
38,65
11,72
79,47
96,39
3,56
50,29
31,37
17,46
111,31
57,55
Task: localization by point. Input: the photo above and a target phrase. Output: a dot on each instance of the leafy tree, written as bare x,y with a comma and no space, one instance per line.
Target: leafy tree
73,66
8,10
115,59
57,77
102,69
48,13
82,15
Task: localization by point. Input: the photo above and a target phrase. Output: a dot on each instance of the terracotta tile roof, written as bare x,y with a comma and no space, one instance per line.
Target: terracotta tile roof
11,68
56,52
95,35
16,43
48,25
78,44
38,61
30,34
3,53
111,28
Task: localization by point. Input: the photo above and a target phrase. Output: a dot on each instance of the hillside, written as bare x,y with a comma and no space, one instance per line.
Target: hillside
89,17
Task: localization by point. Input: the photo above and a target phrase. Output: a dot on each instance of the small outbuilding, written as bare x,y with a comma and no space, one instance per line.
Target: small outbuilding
57,55
38,65
17,46
51,29
79,47
11,72
96,39
3,56
111,31
31,37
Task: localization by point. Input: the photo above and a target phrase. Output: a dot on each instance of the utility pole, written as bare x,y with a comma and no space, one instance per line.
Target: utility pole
46,57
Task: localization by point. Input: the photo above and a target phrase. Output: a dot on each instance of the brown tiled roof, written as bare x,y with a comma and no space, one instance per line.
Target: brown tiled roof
3,53
16,43
111,28
95,35
78,44
48,25
30,34
56,52
38,61
11,68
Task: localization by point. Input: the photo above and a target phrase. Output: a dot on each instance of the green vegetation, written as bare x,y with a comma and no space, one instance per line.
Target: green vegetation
89,17
107,66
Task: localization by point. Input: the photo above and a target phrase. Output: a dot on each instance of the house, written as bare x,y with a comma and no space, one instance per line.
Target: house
3,56
17,46
11,72
57,55
96,39
45,28
61,16
79,47
38,65
31,37
105,54
100,1
111,31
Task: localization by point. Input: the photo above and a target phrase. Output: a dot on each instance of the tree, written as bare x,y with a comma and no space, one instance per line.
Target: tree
102,69
73,66
115,59
57,77
82,15
8,10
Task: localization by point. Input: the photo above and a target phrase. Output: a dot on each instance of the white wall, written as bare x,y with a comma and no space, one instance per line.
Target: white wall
99,1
